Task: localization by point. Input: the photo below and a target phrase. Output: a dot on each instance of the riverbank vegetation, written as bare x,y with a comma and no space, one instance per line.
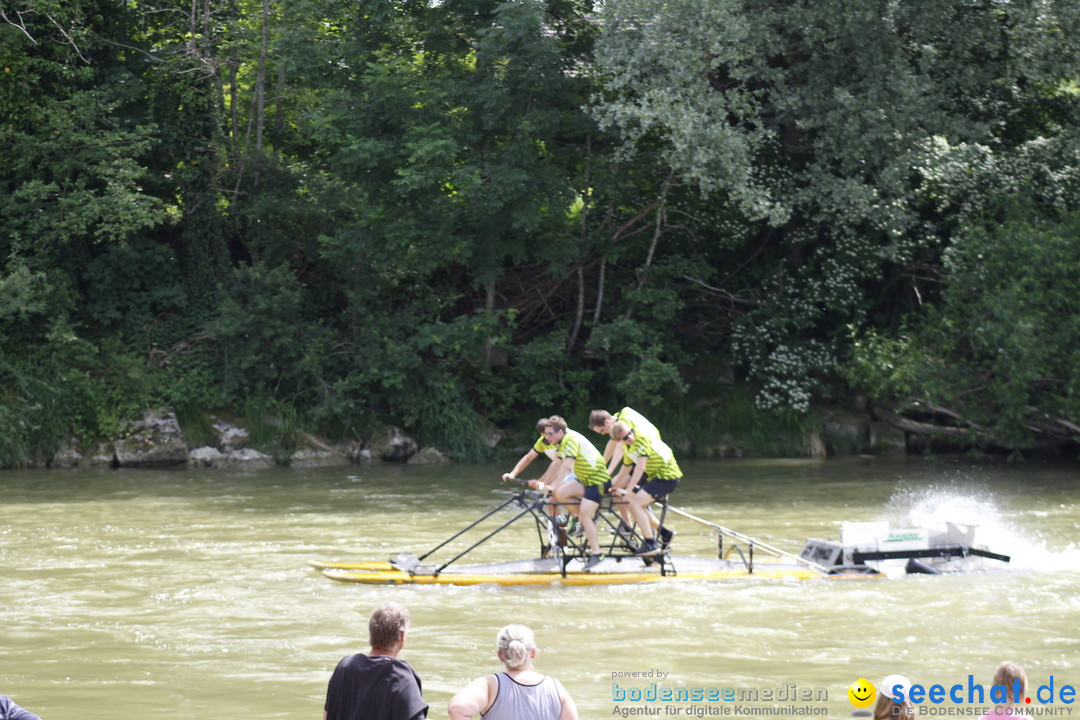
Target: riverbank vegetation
449,214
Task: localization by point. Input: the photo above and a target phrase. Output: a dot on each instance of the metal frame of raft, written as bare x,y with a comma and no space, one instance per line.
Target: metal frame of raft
558,550
559,544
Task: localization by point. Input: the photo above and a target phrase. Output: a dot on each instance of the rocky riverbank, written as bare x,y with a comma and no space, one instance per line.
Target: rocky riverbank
155,439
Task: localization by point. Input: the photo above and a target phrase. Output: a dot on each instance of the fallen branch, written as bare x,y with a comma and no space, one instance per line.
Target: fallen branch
1068,424
923,428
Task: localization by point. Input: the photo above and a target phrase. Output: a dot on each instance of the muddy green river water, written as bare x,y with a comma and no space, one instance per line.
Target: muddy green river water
153,595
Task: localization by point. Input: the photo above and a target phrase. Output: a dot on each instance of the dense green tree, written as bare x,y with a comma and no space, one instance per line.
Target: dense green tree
449,131
72,151
70,146
342,213
995,362
853,138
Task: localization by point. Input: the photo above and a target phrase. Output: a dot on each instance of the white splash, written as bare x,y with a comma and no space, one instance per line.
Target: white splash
1016,532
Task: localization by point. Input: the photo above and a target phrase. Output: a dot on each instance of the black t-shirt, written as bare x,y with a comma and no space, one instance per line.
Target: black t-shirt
376,687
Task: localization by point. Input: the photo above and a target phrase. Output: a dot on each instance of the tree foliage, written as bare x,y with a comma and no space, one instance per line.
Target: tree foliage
445,213
856,137
998,353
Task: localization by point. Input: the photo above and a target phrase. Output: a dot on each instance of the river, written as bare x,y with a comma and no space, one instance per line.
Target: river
152,595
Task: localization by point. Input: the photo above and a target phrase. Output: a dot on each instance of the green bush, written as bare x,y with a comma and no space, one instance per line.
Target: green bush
999,352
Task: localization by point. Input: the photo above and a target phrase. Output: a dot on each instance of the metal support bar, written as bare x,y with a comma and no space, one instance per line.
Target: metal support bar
749,540
484,539
950,551
481,519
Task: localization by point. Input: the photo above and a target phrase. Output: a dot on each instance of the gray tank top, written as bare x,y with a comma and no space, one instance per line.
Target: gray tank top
525,702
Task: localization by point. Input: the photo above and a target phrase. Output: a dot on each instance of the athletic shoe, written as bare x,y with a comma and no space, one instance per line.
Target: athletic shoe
593,561
666,536
626,535
649,547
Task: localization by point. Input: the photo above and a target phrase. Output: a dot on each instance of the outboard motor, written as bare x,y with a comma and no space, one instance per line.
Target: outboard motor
918,567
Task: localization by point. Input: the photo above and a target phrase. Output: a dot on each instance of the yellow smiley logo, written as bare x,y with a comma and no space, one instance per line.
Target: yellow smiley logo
861,693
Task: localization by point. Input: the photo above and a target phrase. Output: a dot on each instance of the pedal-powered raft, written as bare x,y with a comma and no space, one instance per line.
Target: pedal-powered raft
562,555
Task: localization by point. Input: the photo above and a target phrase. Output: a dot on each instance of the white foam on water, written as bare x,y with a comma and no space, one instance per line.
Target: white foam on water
1016,534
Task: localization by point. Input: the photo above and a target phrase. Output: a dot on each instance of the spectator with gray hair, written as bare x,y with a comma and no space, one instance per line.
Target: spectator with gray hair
377,686
519,693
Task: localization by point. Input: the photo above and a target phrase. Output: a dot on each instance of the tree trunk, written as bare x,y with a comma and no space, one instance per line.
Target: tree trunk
260,77
580,314
658,230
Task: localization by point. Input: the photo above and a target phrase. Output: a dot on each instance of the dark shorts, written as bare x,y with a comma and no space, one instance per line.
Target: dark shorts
659,489
595,492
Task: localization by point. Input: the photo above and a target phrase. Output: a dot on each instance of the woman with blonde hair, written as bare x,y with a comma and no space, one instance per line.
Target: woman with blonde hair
519,693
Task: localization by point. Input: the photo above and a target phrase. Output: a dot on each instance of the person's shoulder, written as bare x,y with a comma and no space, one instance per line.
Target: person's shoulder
404,663
406,683
639,422
564,694
350,664
660,445
355,659
345,661
403,667
361,662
